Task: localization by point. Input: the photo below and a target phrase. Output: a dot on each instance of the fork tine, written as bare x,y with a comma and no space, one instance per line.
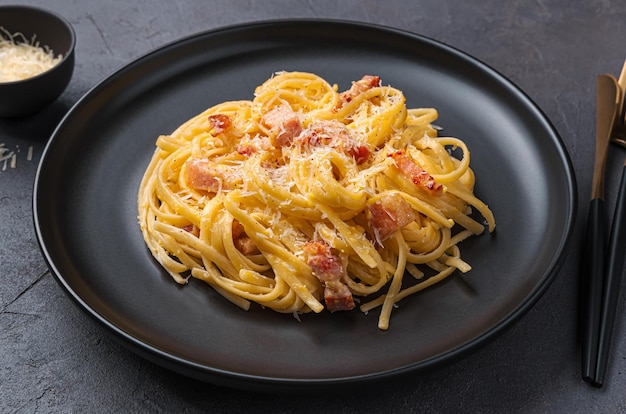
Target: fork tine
618,133
621,112
622,77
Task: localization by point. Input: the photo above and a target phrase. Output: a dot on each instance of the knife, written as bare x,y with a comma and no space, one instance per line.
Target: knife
607,98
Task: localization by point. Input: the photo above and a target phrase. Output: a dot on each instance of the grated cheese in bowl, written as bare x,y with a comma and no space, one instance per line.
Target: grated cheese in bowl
21,59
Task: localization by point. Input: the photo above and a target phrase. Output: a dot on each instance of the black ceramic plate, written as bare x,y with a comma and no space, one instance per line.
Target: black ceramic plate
86,216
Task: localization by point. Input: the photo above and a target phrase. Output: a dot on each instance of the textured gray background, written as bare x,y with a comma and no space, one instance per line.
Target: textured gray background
54,359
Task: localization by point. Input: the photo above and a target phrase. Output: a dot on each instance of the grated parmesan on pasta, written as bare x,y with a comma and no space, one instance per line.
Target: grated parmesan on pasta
20,59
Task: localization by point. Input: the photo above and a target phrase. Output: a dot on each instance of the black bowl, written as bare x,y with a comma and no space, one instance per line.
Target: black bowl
25,97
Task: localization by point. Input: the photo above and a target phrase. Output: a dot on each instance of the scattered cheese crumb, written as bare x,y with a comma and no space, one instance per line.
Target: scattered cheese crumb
8,157
5,156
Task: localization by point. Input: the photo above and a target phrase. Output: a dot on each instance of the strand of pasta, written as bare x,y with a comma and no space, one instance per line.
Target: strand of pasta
396,283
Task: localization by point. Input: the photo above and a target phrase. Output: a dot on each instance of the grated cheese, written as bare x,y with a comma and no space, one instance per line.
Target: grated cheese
7,157
20,59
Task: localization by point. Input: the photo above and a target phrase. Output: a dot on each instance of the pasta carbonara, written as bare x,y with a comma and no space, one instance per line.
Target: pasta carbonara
305,198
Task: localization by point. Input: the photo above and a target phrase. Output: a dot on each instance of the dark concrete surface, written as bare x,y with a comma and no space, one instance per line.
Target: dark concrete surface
54,359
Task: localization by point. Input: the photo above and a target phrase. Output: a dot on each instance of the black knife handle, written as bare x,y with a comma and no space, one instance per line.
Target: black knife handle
591,287
613,279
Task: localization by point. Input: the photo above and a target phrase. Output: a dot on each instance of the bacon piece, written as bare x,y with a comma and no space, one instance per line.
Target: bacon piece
219,123
360,152
242,241
338,297
367,82
328,269
284,122
193,229
410,169
325,133
390,214
326,265
246,149
249,146
202,174
335,135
